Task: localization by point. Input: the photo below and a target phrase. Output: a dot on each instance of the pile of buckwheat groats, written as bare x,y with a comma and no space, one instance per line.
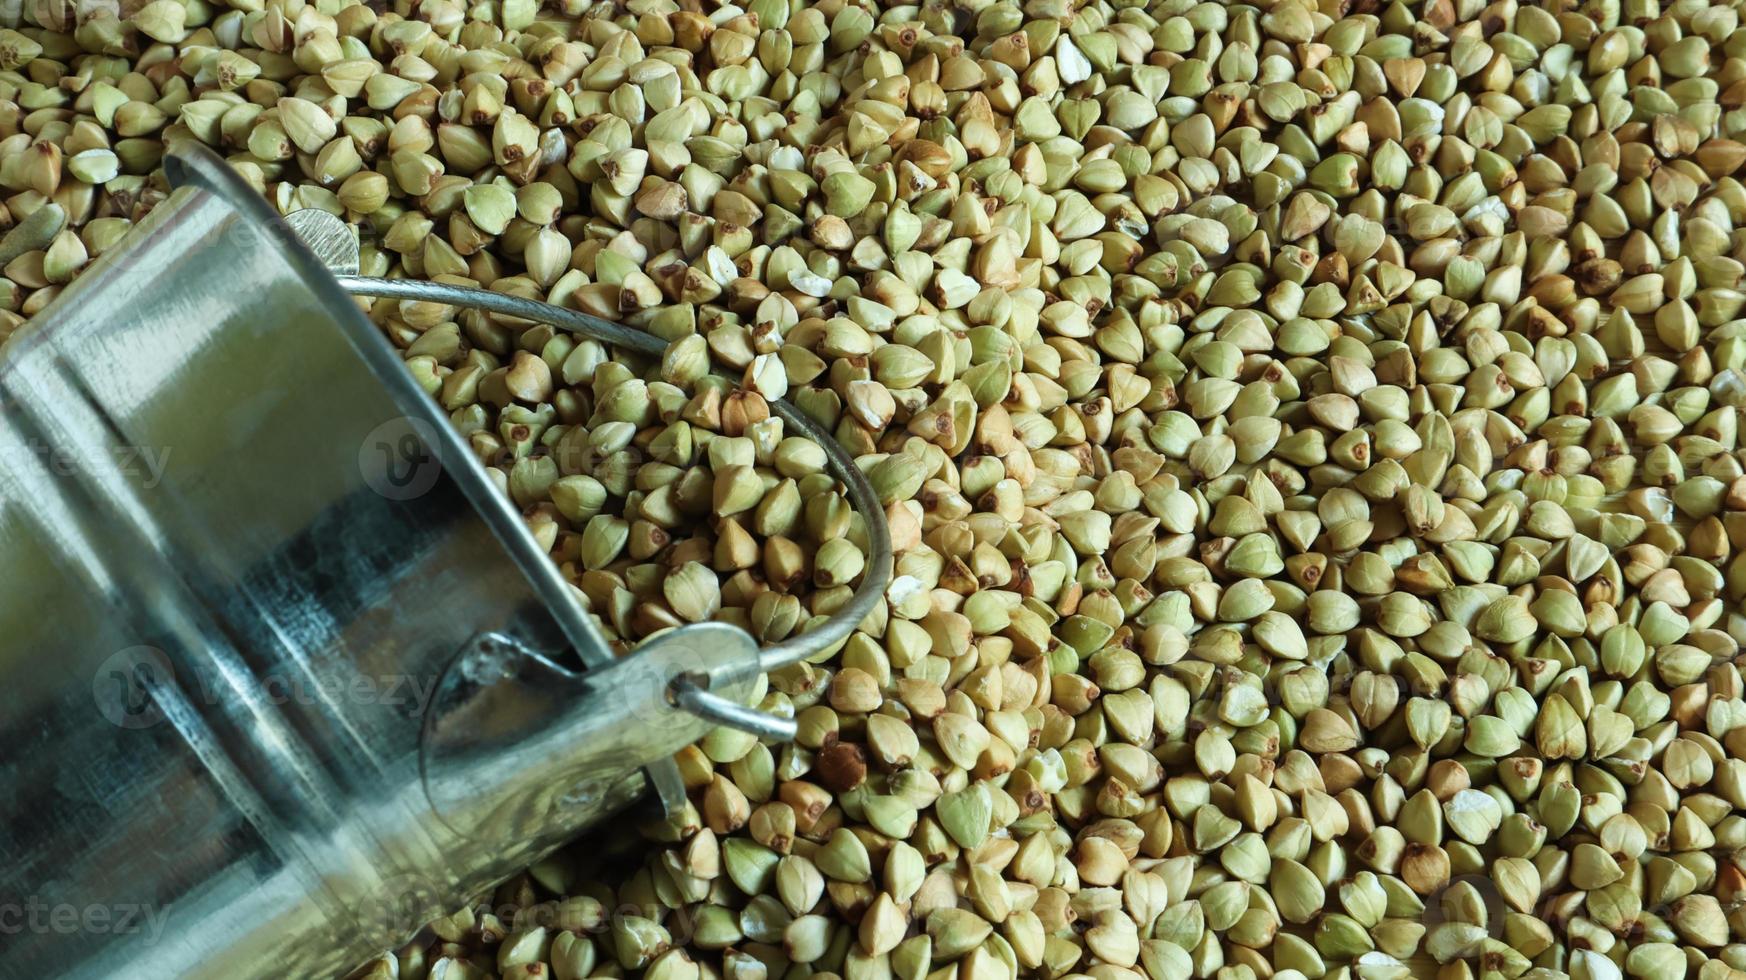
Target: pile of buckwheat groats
1309,434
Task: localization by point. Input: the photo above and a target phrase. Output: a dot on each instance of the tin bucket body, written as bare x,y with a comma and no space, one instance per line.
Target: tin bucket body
285,675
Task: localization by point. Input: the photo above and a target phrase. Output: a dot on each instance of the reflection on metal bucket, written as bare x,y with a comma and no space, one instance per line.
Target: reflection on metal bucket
287,678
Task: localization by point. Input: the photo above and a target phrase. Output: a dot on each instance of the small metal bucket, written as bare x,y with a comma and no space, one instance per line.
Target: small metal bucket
284,672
